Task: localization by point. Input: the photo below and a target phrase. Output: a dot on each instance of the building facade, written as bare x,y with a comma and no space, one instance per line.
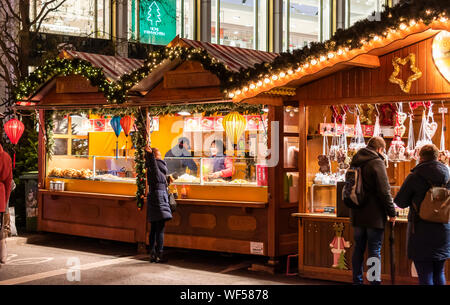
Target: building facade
267,25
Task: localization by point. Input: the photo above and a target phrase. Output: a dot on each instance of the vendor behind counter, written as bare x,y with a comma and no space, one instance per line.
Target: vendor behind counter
178,165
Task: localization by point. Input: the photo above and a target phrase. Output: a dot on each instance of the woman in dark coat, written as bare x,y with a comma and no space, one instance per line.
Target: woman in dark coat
158,208
428,242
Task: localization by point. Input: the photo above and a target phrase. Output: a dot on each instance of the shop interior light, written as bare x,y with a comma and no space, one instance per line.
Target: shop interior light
265,109
184,113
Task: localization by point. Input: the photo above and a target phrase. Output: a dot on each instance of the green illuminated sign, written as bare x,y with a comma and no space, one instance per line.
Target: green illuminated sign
157,21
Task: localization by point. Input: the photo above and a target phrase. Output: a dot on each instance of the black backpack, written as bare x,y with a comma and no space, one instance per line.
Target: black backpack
353,191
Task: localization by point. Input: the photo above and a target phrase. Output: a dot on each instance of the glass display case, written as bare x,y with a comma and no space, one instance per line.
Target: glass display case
216,171
98,168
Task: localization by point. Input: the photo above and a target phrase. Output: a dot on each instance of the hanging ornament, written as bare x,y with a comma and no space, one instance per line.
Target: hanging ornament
14,130
377,128
357,141
127,123
324,159
234,125
332,153
424,137
444,155
396,152
115,124
409,151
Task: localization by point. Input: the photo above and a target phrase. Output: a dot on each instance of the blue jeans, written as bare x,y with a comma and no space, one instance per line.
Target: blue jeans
373,239
156,238
430,272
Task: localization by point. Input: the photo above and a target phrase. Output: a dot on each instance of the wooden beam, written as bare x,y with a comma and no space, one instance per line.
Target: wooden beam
364,60
265,100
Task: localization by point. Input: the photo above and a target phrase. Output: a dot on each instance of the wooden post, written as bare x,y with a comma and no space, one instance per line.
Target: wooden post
41,164
302,168
275,184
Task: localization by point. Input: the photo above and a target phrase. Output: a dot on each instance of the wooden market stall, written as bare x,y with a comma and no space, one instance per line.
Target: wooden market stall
409,64
249,213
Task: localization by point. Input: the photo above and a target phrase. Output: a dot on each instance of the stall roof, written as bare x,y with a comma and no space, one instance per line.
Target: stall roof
113,66
360,45
235,59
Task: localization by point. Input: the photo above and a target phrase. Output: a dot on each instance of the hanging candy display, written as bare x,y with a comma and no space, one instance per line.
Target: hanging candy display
357,141
14,130
332,152
409,151
428,128
444,155
396,152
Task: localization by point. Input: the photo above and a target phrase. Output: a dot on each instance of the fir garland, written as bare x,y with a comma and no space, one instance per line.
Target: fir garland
352,38
140,140
63,66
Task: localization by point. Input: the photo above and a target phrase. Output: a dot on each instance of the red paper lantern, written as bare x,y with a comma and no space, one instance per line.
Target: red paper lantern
14,130
127,123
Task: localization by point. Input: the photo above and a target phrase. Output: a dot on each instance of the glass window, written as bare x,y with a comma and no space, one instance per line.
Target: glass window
159,21
214,28
76,17
262,26
361,9
237,20
80,147
60,125
60,147
80,125
304,23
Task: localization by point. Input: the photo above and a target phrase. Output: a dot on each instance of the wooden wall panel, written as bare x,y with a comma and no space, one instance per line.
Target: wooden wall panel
361,84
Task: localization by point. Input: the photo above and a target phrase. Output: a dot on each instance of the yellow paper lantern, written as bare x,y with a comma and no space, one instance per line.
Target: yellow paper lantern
234,125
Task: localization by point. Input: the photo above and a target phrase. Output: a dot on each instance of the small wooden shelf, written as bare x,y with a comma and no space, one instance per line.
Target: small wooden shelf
291,134
84,194
290,169
226,203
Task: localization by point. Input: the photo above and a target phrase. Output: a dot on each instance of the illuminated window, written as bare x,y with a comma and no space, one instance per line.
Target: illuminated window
91,18
307,21
159,21
304,24
242,23
70,135
361,9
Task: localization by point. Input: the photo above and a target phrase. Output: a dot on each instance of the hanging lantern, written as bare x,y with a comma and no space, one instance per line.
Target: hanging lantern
14,130
127,123
234,125
115,124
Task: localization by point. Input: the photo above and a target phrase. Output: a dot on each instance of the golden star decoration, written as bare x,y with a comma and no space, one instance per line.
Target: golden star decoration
396,62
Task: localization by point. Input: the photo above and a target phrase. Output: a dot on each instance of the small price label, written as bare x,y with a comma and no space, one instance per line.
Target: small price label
443,110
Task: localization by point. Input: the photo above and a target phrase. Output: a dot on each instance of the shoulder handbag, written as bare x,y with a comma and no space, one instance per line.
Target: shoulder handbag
3,236
435,207
172,202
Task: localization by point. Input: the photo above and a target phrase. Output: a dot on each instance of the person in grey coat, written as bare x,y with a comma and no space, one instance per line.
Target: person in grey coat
428,242
158,208
370,219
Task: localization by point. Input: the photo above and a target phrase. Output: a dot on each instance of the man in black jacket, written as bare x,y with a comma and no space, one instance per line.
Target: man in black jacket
370,219
176,164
